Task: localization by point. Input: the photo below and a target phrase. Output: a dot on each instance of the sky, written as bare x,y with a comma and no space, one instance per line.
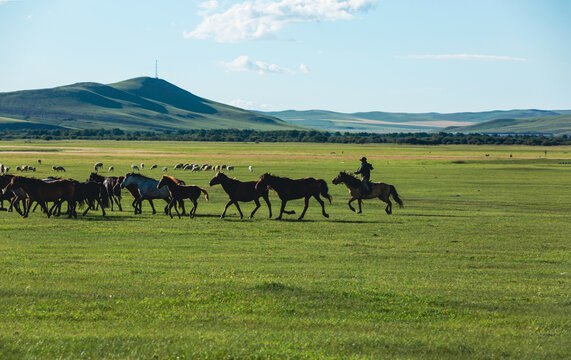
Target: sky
339,55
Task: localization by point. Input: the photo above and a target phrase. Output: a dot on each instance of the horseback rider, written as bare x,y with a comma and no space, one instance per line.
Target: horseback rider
365,171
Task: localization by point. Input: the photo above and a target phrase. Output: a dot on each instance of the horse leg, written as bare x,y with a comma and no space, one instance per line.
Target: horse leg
256,209
27,209
360,202
193,210
226,208
118,201
282,209
389,208
169,208
240,211
181,204
135,206
305,206
101,205
173,201
71,209
267,200
350,206
322,205
152,206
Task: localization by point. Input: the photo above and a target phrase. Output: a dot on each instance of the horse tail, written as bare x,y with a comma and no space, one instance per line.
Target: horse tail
324,190
395,195
205,193
103,196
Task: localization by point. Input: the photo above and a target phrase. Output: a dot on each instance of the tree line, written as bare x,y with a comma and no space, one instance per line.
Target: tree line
314,136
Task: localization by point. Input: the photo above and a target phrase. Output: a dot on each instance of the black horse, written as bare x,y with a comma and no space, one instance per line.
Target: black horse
289,189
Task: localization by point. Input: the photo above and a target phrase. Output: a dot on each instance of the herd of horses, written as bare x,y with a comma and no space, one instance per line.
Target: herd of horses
103,192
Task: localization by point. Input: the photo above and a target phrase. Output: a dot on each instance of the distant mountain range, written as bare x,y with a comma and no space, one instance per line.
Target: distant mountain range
142,103
556,122
151,104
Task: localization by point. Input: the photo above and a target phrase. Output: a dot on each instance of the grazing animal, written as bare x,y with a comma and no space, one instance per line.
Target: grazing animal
154,166
111,168
142,166
39,162
42,192
289,189
98,165
165,168
113,194
241,191
179,192
250,168
135,167
18,168
230,168
378,190
178,166
57,168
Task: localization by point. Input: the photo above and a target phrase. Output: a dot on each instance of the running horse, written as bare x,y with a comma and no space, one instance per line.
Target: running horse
147,189
241,191
180,192
40,191
113,194
378,190
289,189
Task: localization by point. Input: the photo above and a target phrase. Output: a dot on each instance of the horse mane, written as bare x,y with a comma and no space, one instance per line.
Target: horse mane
352,180
172,179
141,176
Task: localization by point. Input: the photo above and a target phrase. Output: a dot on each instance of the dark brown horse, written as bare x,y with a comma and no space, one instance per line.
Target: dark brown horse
113,193
378,190
241,191
180,192
89,193
289,189
42,192
14,196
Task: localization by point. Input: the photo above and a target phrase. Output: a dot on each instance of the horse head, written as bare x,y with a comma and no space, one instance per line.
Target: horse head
127,181
216,179
339,178
262,183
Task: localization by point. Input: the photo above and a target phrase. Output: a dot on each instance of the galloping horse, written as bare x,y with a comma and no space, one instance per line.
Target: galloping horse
147,188
41,191
289,189
90,192
179,192
378,190
240,191
113,194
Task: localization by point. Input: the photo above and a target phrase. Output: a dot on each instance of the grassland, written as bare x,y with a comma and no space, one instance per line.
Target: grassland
476,265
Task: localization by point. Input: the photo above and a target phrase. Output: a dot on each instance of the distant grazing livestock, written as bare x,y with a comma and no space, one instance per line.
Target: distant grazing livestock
98,165
39,162
154,166
378,190
19,168
179,192
165,168
290,189
250,168
135,167
142,166
217,168
187,167
230,168
57,168
1,168
240,191
111,168
223,167
178,166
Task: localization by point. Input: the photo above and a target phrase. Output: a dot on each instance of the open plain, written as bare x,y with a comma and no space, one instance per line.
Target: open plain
475,265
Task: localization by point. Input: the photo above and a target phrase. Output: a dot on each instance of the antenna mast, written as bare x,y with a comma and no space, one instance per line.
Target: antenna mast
156,69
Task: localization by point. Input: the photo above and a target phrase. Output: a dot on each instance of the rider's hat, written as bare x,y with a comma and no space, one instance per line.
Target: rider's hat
363,159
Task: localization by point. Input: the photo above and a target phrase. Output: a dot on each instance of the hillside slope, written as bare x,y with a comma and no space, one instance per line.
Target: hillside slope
555,125
137,104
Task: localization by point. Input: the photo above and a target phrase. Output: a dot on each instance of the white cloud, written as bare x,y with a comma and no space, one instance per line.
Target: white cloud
244,63
250,105
462,57
249,20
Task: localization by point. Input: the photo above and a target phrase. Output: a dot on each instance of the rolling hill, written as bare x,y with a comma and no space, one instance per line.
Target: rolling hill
408,122
142,103
556,125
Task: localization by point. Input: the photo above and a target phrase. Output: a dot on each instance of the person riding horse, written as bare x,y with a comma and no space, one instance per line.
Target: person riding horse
365,171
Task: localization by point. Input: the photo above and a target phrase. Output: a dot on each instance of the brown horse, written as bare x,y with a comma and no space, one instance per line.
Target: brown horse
378,190
180,192
289,189
37,190
113,194
240,191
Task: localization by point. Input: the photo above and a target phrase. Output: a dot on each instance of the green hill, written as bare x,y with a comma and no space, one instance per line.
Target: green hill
137,104
377,121
555,125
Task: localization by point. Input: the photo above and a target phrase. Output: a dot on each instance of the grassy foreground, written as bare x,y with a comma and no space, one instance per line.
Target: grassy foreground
476,265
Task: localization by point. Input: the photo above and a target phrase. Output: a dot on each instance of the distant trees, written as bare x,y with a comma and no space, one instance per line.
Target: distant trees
314,136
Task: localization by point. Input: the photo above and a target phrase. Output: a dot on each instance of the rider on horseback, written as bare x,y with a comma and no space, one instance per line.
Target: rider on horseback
365,171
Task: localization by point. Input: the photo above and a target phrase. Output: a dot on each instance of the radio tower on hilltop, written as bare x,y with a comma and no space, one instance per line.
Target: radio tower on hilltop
156,69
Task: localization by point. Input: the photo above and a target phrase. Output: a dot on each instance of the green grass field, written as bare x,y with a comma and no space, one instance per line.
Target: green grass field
476,265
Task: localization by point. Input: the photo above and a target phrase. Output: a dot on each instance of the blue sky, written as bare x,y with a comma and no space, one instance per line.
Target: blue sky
340,55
